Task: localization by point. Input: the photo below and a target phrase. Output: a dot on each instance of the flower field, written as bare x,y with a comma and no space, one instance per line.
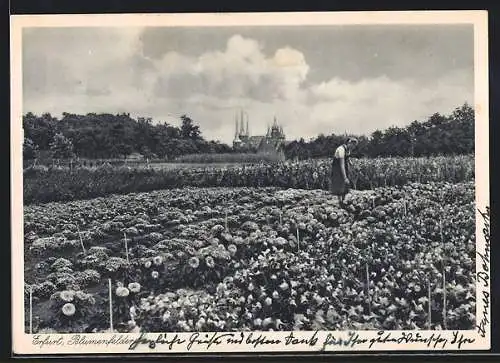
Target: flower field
42,185
224,259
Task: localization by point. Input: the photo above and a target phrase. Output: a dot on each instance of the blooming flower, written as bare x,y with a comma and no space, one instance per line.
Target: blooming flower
155,274
158,260
200,324
232,249
284,286
166,315
68,309
194,262
147,264
257,322
210,262
122,291
133,312
134,287
67,295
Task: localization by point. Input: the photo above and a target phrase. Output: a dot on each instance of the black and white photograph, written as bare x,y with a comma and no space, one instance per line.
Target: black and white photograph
236,185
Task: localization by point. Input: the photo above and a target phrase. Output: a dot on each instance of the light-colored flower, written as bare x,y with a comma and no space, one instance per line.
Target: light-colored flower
158,260
232,249
210,262
194,262
67,295
284,286
68,309
147,264
200,324
155,274
122,291
134,287
221,288
166,316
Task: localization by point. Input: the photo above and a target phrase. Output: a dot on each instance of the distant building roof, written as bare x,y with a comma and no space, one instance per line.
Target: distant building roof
255,140
135,155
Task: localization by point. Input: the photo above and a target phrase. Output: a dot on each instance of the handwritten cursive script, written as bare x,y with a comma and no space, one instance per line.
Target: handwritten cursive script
434,340
352,340
163,339
483,275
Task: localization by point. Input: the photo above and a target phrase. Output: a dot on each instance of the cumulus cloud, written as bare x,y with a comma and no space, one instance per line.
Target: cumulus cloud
96,70
241,70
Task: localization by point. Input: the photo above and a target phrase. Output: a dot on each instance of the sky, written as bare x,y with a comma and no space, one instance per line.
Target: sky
313,79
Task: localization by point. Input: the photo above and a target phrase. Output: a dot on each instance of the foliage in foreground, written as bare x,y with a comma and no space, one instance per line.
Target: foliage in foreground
43,185
255,259
229,158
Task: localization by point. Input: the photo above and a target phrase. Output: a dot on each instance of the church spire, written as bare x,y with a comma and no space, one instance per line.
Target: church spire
247,131
242,130
236,126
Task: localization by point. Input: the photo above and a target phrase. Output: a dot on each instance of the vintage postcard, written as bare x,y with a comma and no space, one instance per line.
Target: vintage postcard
235,183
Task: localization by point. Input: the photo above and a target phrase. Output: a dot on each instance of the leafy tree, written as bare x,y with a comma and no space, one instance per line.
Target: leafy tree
189,130
40,129
146,151
30,149
377,143
108,136
61,147
464,120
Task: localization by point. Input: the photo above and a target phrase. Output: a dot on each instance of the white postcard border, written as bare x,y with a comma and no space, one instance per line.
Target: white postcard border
338,341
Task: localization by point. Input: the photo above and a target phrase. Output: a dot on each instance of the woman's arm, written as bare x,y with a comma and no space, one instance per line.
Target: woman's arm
340,154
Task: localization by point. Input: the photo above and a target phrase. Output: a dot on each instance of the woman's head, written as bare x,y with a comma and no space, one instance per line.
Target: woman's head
351,143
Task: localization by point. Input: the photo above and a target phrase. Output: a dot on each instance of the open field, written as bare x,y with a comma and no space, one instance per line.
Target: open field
223,259
43,185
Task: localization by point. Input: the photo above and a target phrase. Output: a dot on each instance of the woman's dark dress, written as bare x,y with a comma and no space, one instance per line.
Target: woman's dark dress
338,185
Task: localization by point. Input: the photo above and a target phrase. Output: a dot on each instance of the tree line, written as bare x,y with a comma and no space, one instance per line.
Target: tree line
108,136
438,135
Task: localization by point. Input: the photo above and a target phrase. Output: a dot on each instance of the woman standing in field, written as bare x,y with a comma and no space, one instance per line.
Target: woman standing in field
339,183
